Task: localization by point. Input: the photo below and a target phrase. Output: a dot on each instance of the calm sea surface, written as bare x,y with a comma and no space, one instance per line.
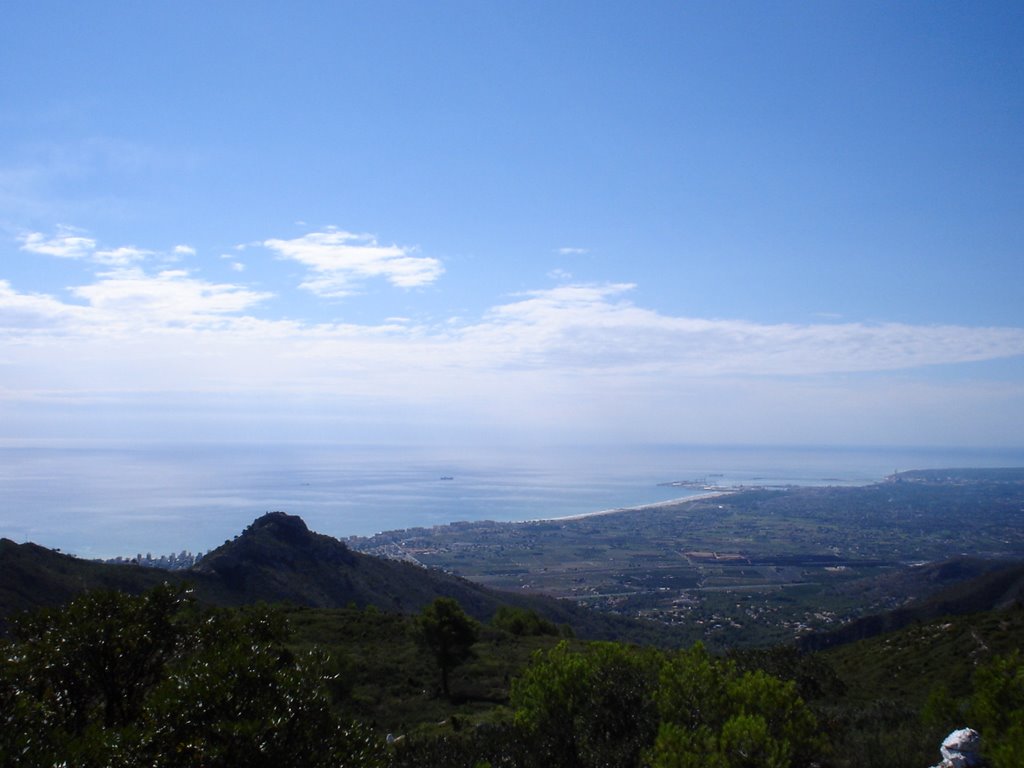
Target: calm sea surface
104,501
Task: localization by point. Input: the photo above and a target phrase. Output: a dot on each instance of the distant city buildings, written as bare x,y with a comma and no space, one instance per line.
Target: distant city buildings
171,562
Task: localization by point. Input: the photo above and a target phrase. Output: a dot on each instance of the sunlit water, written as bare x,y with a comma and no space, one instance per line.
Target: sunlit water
104,501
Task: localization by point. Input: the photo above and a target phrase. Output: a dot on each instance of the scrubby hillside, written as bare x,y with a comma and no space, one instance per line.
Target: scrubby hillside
32,576
973,586
277,559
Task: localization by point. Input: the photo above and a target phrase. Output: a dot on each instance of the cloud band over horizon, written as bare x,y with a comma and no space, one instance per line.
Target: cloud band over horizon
140,328
149,329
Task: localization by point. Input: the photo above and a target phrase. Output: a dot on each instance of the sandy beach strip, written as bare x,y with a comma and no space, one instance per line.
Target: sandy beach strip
638,508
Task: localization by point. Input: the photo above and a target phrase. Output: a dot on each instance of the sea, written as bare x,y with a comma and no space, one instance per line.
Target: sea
109,500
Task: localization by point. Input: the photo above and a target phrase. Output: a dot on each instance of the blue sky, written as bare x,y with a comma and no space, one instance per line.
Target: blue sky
526,222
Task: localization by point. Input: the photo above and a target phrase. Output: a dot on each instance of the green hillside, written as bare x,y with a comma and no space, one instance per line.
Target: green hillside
345,635
278,559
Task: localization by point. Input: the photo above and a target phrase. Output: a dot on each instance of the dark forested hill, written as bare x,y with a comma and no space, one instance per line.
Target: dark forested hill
32,576
985,589
278,559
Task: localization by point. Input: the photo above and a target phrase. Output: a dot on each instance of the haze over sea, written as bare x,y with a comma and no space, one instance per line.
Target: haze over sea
108,500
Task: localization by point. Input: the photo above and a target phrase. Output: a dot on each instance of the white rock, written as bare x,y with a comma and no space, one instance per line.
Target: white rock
961,749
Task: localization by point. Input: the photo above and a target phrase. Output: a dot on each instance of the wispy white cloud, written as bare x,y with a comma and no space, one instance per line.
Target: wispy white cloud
569,251
72,243
595,327
172,298
575,354
67,243
32,313
574,330
124,302
120,257
339,261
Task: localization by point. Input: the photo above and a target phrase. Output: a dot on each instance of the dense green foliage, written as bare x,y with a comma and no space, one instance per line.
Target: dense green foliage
522,621
618,706
449,634
903,692
607,705
712,714
116,680
119,680
590,708
997,710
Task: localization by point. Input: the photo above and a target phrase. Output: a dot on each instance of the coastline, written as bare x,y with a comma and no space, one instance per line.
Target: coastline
638,508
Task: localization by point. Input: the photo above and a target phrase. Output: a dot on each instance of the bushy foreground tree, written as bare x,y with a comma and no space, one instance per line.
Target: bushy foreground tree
119,680
997,710
522,622
449,634
617,706
714,716
592,708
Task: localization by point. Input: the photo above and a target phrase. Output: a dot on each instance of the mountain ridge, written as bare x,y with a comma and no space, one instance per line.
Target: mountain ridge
994,589
277,559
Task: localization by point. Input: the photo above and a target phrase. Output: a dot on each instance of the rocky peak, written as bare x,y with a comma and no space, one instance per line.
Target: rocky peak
281,525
